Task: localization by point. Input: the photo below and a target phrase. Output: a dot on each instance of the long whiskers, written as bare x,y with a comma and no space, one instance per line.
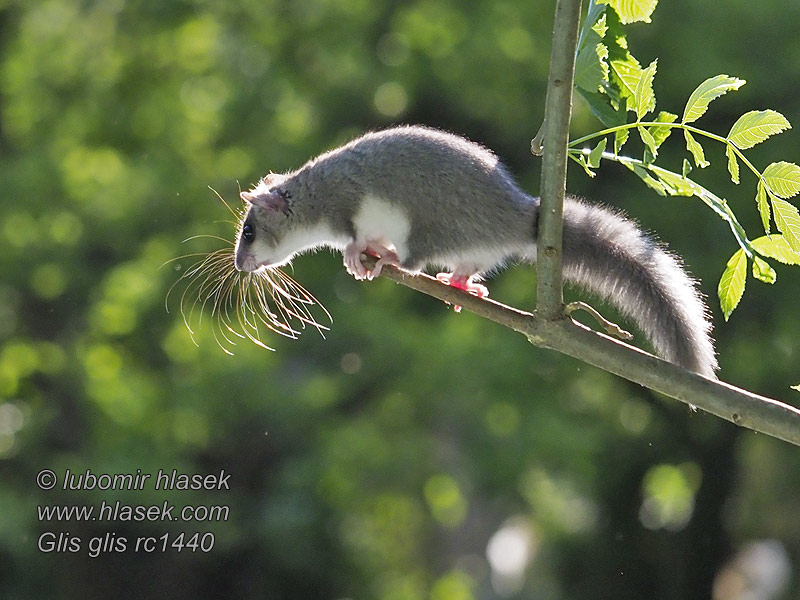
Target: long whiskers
243,306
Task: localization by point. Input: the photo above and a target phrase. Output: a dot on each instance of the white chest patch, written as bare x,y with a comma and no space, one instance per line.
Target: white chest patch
383,222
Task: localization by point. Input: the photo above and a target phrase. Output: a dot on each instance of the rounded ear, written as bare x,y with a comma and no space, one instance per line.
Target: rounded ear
271,200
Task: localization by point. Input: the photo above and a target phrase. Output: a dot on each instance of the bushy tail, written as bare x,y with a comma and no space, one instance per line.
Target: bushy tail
610,256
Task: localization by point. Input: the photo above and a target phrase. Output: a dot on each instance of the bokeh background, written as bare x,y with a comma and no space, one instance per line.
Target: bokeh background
412,453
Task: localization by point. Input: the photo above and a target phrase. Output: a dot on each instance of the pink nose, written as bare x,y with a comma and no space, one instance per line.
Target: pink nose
245,262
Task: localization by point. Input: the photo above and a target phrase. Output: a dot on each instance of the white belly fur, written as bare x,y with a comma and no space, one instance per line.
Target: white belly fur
387,224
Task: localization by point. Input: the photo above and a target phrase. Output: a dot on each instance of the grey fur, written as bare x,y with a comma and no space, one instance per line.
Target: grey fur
464,212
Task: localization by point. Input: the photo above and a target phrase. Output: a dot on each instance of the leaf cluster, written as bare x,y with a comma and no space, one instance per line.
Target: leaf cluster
616,85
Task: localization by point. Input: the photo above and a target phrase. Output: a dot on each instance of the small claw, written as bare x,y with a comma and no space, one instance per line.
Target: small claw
352,261
464,282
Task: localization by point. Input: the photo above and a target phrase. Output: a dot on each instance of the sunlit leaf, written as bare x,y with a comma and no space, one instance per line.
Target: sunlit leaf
694,147
649,142
756,126
733,164
645,98
763,205
707,91
630,11
775,246
645,176
762,271
783,179
600,27
660,133
679,185
732,283
583,162
620,137
597,153
629,74
787,220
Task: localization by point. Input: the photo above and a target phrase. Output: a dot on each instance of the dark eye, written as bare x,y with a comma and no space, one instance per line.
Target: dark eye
248,233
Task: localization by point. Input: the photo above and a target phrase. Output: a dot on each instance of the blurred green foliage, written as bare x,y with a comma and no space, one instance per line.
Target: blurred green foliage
380,461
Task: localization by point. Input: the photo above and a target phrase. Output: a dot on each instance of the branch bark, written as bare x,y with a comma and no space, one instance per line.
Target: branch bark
558,112
738,406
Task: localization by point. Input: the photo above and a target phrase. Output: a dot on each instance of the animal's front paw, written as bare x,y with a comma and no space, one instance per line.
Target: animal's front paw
352,261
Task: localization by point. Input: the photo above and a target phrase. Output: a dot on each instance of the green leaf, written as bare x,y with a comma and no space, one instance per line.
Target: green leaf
787,219
600,27
597,153
707,91
775,246
649,142
620,137
783,179
763,205
630,11
581,160
693,146
762,271
756,126
732,283
644,97
602,109
678,185
660,133
591,68
628,73
645,176
686,168
733,164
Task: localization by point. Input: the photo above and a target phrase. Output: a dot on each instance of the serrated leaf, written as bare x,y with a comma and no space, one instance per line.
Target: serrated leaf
775,246
620,137
732,283
645,176
783,179
696,150
756,126
707,91
762,271
628,73
733,164
660,133
602,109
581,160
763,205
596,154
645,98
630,11
787,219
600,27
649,142
686,168
680,186
591,68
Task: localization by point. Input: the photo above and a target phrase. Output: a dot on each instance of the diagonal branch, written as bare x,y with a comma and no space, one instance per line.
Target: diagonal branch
738,406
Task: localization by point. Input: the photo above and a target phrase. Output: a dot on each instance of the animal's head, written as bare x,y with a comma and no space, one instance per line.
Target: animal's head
264,226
